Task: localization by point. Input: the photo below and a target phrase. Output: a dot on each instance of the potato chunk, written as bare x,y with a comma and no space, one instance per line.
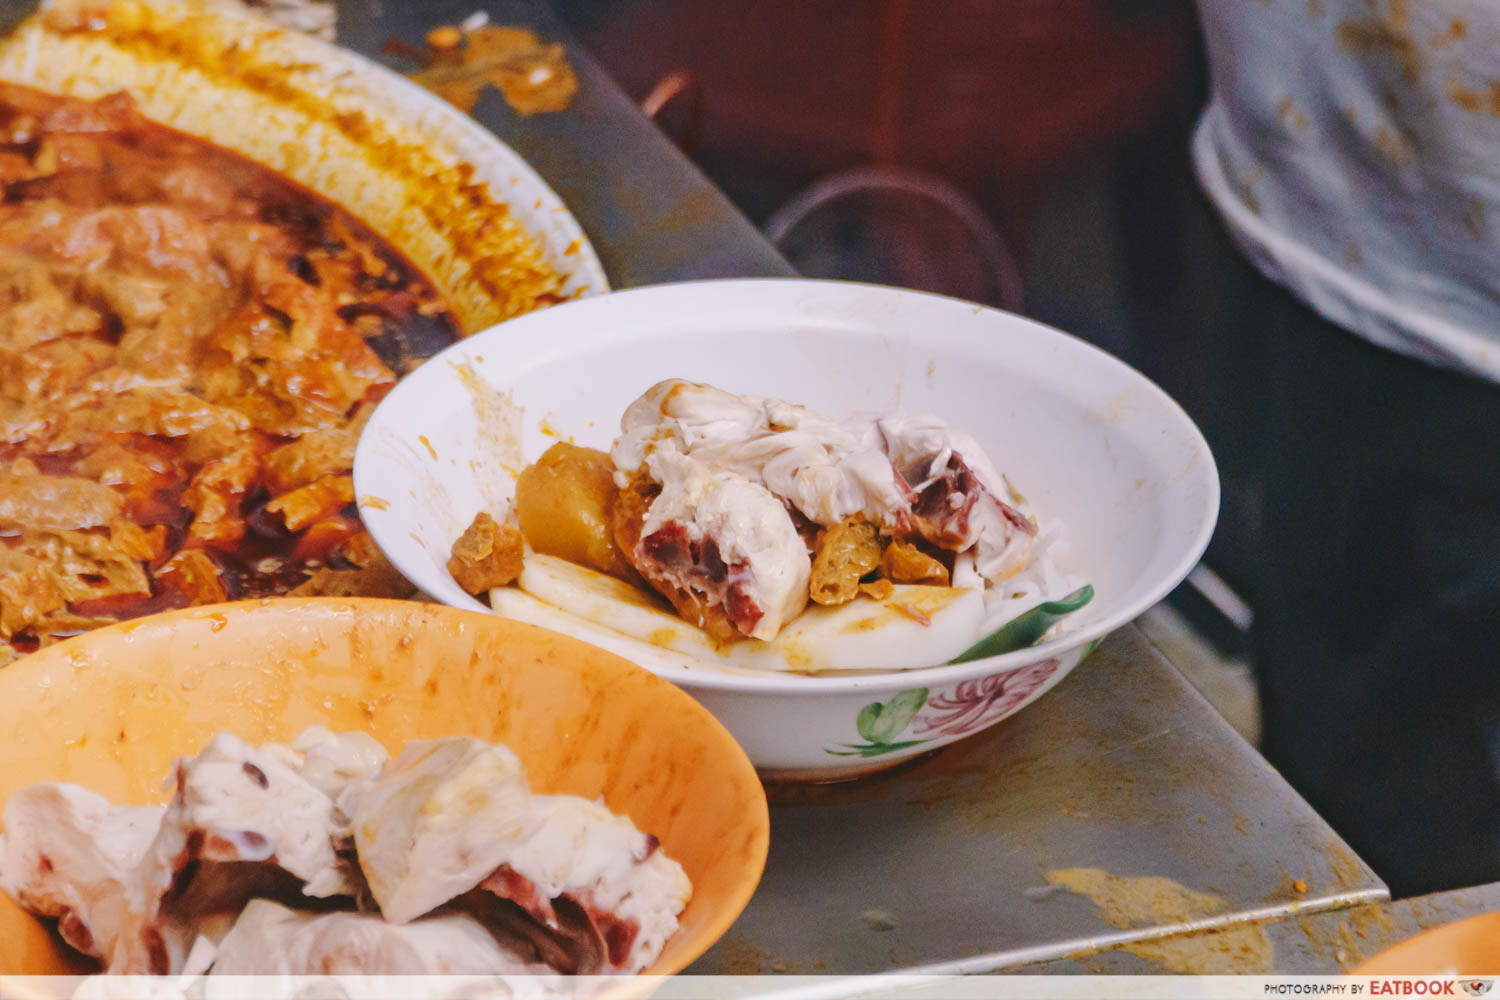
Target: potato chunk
563,502
486,555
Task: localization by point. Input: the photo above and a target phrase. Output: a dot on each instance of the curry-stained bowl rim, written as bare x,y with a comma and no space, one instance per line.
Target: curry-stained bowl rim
316,87
23,674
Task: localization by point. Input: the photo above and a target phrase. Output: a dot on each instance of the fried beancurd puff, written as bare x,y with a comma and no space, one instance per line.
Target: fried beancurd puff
843,555
487,555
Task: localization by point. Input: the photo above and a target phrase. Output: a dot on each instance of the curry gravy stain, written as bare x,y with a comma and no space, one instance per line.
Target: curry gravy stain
428,445
1351,936
1457,28
916,603
1240,949
1347,870
738,957
1388,36
1429,913
1245,185
1288,114
498,417
1287,888
1393,145
375,503
505,265
533,76
1464,97
1126,901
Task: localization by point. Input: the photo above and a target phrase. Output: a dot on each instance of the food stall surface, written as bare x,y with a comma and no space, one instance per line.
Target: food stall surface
1325,943
1117,810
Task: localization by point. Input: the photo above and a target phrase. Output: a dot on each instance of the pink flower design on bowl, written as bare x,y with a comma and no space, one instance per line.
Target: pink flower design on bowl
976,703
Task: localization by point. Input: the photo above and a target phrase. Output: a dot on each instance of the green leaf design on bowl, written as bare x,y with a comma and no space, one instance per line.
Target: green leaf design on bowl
871,749
880,723
1024,630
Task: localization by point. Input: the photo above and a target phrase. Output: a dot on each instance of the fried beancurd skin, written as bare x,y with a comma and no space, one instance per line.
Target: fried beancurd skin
487,555
903,562
190,344
844,553
564,502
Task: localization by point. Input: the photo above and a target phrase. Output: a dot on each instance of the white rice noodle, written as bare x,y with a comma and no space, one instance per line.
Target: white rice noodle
1044,579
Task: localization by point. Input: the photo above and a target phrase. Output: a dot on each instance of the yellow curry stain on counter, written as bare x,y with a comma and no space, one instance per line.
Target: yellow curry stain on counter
1134,901
1126,901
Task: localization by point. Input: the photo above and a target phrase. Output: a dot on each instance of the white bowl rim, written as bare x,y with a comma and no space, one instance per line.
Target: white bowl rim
772,682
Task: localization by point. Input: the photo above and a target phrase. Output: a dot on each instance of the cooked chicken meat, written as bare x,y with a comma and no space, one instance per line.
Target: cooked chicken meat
825,470
259,864
67,853
241,824
736,474
726,543
271,939
444,815
455,819
957,494
580,852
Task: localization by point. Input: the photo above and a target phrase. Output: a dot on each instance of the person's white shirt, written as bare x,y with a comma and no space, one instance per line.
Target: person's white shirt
1353,148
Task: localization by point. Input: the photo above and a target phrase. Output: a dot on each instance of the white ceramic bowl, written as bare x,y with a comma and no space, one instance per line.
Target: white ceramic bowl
1085,438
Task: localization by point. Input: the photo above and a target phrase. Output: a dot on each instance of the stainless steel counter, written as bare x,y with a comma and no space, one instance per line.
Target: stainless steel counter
1119,809
1323,943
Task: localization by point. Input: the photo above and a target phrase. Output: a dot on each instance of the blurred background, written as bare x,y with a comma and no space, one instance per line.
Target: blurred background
1030,154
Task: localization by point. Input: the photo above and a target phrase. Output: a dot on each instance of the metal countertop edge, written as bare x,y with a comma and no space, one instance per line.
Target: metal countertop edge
844,985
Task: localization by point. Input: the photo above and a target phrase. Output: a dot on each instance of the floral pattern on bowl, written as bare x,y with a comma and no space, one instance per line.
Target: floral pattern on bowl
974,704
952,712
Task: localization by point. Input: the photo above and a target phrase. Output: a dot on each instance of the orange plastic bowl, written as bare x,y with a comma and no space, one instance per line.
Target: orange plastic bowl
112,709
1469,947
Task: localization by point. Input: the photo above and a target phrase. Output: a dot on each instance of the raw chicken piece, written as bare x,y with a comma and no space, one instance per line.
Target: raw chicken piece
270,939
67,853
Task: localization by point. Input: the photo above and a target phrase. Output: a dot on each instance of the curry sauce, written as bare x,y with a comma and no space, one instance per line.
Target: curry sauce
189,345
